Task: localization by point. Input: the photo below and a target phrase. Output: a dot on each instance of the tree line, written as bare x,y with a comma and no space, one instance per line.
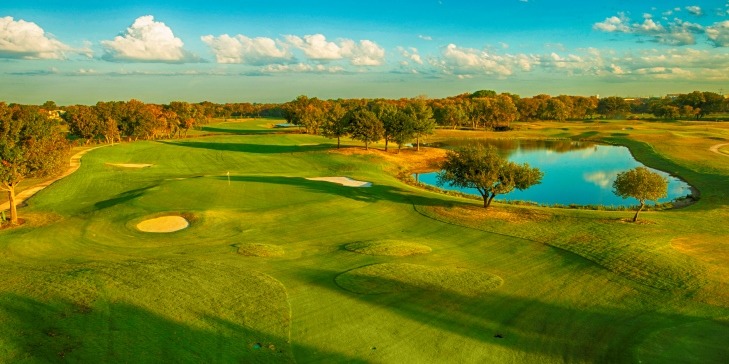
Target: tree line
369,122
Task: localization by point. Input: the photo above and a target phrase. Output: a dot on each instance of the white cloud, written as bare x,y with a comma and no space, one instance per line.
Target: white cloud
26,40
366,53
316,47
719,34
300,68
694,10
411,54
244,50
425,37
466,61
147,41
677,32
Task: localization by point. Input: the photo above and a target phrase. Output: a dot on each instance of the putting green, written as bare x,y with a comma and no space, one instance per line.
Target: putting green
394,248
260,250
392,277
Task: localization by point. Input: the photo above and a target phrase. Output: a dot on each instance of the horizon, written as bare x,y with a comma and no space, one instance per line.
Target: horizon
226,53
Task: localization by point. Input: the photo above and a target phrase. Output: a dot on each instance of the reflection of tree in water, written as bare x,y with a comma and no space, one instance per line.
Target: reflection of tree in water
509,146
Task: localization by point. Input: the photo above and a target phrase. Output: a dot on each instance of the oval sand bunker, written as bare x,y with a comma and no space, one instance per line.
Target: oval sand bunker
165,224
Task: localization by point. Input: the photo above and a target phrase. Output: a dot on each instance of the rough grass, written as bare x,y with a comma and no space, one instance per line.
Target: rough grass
260,250
393,248
394,277
724,150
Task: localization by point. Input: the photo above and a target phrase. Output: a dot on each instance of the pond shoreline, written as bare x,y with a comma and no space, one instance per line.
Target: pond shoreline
678,202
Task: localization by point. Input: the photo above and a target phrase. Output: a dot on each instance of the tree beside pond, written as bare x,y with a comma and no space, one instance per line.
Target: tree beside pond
483,169
642,185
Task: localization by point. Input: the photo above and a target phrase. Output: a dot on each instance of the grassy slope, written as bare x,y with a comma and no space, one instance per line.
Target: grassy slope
82,283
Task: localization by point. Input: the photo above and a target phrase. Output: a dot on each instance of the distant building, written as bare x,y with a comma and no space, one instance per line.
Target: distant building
672,96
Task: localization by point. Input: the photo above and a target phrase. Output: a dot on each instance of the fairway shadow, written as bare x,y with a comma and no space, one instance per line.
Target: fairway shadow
122,198
248,147
374,193
212,129
60,331
595,334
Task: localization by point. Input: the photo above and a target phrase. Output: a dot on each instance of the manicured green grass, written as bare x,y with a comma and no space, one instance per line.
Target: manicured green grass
78,283
260,250
394,278
245,126
394,248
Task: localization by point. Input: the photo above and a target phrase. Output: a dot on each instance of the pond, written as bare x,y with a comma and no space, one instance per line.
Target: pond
574,172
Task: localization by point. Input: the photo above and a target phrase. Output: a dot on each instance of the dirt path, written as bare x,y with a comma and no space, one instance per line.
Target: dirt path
715,149
74,165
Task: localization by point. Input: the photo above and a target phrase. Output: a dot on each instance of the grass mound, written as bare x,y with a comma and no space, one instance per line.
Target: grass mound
260,250
393,248
392,277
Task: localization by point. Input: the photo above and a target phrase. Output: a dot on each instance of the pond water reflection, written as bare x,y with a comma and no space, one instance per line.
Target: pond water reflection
574,172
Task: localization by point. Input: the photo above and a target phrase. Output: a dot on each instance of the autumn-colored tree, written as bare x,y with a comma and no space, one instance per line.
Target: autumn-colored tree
642,185
83,121
31,146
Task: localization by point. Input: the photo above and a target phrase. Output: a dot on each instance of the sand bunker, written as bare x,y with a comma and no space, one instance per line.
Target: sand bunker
130,165
165,224
344,181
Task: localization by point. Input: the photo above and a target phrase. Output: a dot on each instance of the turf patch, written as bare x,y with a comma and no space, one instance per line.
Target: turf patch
392,248
260,250
393,277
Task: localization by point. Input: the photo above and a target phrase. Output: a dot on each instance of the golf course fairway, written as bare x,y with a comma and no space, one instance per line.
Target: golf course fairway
266,273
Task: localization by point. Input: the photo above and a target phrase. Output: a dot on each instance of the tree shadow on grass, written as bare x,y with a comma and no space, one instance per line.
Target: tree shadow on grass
571,334
122,198
248,147
375,193
61,331
212,129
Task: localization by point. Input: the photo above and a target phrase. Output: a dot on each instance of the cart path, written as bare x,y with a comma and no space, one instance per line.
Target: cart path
74,165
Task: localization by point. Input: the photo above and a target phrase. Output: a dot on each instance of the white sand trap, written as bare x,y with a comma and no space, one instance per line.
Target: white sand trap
130,165
165,224
344,181
308,144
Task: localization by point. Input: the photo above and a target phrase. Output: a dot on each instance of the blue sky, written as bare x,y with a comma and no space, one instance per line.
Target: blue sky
272,51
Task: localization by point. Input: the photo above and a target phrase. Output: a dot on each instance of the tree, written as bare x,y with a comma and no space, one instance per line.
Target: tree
365,127
483,93
642,185
557,110
402,129
611,106
31,146
452,114
422,116
486,171
386,113
83,122
337,123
